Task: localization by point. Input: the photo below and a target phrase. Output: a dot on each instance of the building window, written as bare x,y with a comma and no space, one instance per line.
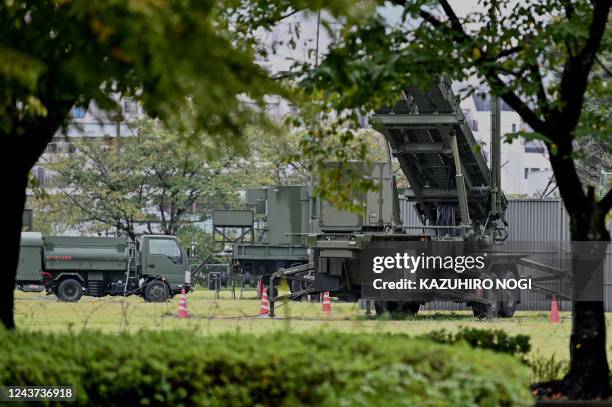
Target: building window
51,148
78,112
534,146
474,125
40,174
526,173
514,127
130,107
293,110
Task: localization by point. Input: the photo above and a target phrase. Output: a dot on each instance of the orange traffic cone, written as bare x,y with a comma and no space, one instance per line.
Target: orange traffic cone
183,312
554,310
326,303
264,308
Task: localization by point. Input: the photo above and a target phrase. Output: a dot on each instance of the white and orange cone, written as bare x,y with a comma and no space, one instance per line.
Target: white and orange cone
264,308
183,312
326,303
260,288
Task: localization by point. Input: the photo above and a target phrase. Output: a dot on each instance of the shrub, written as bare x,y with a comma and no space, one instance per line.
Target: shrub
544,369
496,340
327,369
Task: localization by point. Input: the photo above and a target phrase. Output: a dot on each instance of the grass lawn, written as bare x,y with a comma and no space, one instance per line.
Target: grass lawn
38,312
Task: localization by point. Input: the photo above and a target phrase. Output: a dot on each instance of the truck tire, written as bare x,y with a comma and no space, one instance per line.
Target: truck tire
156,291
295,285
386,306
397,308
489,311
272,292
69,290
482,311
410,308
508,299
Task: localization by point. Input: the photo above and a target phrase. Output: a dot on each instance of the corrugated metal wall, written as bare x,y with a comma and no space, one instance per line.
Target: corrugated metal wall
537,220
543,222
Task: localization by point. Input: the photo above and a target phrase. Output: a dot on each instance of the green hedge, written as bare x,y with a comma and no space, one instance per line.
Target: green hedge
496,340
323,369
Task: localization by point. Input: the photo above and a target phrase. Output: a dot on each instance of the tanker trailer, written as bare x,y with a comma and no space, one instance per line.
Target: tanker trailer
154,267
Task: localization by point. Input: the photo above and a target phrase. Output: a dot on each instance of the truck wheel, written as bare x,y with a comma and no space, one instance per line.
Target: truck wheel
391,307
491,310
481,310
397,309
156,291
411,308
508,298
380,307
272,291
69,290
296,285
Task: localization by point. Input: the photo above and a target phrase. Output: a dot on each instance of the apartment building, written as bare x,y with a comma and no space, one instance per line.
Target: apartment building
526,170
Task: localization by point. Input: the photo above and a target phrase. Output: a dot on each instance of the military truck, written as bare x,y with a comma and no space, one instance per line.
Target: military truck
154,266
266,235
458,200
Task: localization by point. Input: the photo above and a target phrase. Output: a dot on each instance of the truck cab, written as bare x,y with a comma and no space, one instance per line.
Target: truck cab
164,267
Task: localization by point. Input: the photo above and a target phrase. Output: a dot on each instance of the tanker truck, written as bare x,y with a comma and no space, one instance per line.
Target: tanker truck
154,266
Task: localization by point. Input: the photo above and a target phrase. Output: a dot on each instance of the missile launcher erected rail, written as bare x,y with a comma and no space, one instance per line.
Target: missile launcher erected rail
440,157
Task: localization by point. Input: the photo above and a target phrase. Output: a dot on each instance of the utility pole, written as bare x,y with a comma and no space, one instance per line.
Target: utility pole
312,204
495,135
495,155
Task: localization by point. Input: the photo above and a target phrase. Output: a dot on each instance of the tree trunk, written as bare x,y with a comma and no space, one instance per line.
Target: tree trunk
588,377
25,142
15,185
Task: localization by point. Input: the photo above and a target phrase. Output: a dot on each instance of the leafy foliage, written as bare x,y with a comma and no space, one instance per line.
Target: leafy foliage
150,182
173,56
197,240
496,340
544,369
270,158
516,50
176,57
308,369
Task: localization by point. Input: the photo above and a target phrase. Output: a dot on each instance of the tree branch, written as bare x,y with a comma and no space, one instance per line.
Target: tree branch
569,9
509,96
275,20
38,132
505,53
516,103
574,79
606,202
450,13
568,182
603,66
541,92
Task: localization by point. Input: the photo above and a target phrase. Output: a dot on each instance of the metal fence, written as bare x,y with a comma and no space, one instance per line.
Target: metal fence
541,221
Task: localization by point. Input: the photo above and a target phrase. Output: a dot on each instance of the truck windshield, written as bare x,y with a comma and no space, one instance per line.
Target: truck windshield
165,247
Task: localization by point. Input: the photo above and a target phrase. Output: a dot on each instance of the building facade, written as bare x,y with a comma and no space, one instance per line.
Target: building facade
525,167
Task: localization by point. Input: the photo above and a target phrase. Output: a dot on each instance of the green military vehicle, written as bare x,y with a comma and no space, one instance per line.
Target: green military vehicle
266,235
458,200
155,267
